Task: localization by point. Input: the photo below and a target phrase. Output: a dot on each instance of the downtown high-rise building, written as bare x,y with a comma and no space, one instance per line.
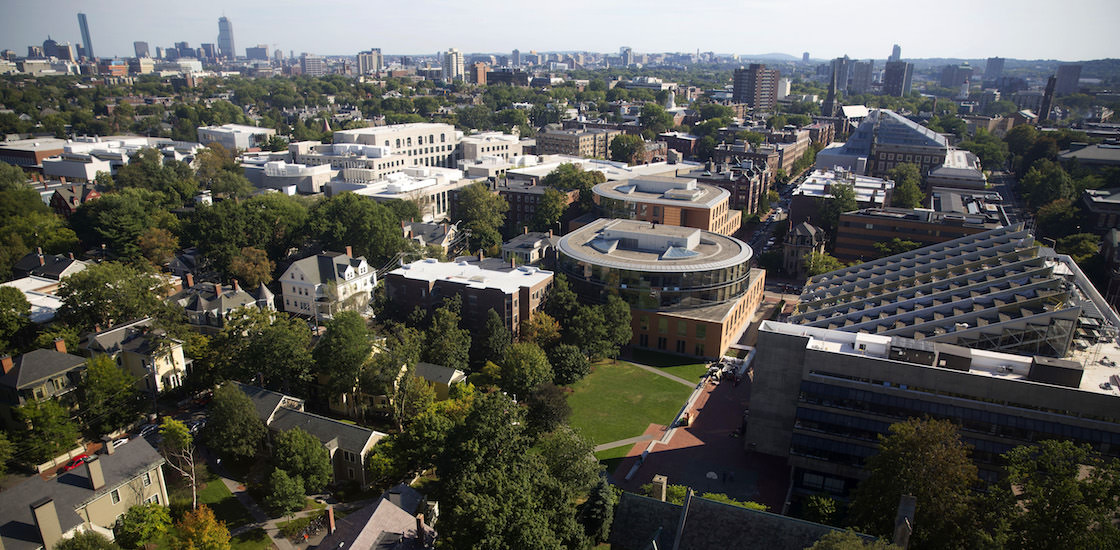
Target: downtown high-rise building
515,59
993,69
862,72
312,65
225,38
1068,76
370,61
141,49
258,52
896,53
453,65
897,76
804,57
87,43
757,86
627,55
842,66
952,76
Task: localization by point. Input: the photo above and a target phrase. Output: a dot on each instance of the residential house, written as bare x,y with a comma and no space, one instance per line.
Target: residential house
48,266
36,375
441,235
801,241
66,200
145,351
440,378
208,305
328,283
394,521
348,444
39,512
531,248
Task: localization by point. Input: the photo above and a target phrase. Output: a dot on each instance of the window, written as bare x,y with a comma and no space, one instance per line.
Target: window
680,346
115,496
701,331
663,326
662,342
350,473
699,350
644,322
682,329
154,499
643,340
147,478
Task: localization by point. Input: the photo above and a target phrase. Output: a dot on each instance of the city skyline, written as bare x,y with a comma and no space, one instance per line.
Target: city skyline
344,27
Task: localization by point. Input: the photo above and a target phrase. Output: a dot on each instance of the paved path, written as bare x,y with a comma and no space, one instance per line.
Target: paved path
623,442
659,372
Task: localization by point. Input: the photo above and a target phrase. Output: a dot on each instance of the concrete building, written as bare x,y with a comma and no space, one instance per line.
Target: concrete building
862,77
801,241
756,86
998,290
690,291
259,52
235,137
41,295
75,167
154,358
961,169
431,188
370,61
29,153
671,201
452,67
87,42
288,178
993,69
320,286
1103,209
897,77
141,49
42,511
489,144
822,397
1097,155
514,293
370,154
312,65
587,143
952,76
804,201
1069,76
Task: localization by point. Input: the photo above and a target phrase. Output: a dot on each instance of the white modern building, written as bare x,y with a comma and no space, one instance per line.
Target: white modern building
383,150
235,136
453,65
430,187
490,144
287,177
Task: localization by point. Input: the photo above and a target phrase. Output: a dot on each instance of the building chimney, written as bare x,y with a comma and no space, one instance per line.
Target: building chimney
349,251
550,233
524,230
108,444
188,280
236,286
660,482
60,345
330,520
7,363
94,473
42,260
46,519
218,289
480,256
421,533
71,255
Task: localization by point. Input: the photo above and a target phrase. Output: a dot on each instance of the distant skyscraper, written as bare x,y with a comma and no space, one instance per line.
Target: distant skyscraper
515,59
159,52
370,61
260,52
1068,77
1048,98
952,76
828,108
861,77
896,78
805,57
210,51
993,69
757,86
312,65
453,65
842,66
896,53
225,38
87,44
141,49
627,55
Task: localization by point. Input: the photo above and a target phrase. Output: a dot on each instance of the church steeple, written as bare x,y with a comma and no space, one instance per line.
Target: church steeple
829,107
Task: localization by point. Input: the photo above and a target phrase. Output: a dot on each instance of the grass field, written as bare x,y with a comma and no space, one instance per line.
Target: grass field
684,367
256,539
619,401
226,507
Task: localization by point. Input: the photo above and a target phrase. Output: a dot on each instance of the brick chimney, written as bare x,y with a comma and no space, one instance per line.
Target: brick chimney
7,363
660,482
421,534
71,255
480,256
218,289
236,286
107,444
94,473
188,280
60,345
349,251
524,230
46,520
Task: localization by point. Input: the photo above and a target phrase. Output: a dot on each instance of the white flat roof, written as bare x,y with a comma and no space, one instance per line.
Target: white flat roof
474,275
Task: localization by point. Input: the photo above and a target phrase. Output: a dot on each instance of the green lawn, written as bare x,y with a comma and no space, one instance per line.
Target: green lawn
226,507
256,539
685,367
619,401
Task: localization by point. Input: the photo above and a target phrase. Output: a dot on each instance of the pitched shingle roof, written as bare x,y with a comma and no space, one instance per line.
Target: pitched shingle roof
33,367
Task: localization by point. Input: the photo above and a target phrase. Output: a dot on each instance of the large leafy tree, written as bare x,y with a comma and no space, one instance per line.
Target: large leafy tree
588,330
233,427
654,118
109,293
118,220
14,318
991,150
48,430
252,267
271,348
108,396
548,408
342,351
173,180
86,540
818,263
524,367
1046,182
927,459
413,398
361,222
597,512
561,301
616,316
627,148
200,530
303,456
497,338
177,446
843,199
568,177
907,186
549,210
447,344
569,364
483,213
286,493
158,245
142,524
1058,494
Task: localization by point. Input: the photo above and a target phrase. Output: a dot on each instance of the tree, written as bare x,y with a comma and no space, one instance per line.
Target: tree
483,212
524,367
158,245
286,493
413,398
907,186
569,364
276,143
1063,496
628,148
589,331
448,345
341,352
498,336
269,347
548,408
616,315
7,450
895,246
233,427
141,524
108,293
848,540
1046,182
991,150
1057,219
561,301
597,512
655,118
303,455
1080,246
352,220
177,446
549,210
570,460
843,199
820,509
926,459
48,432
15,313
198,529
541,329
173,180
108,396
776,121
252,267
86,540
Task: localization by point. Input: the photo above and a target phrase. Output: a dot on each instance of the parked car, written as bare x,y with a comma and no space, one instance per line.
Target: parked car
76,461
120,442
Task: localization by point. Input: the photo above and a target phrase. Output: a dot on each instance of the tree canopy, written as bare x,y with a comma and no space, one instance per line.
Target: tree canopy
302,455
233,427
907,186
483,213
109,293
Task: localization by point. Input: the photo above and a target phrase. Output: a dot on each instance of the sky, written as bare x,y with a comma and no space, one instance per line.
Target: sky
969,29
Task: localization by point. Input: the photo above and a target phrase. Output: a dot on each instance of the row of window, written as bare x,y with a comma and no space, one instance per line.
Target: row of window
663,344
419,140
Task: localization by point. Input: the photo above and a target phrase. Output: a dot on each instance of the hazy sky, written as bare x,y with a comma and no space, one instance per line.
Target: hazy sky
1025,29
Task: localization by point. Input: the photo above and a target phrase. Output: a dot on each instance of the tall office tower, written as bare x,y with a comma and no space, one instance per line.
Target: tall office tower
515,59
87,44
805,57
159,52
757,86
862,72
278,55
225,38
184,48
953,76
1068,76
50,47
842,66
260,52
1048,98
141,49
210,51
312,65
993,69
370,61
896,78
896,53
828,108
627,55
453,65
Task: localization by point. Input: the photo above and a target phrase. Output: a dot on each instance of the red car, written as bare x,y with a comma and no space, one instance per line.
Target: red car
76,461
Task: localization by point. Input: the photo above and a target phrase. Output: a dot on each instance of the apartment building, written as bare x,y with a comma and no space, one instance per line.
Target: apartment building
587,143
320,286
